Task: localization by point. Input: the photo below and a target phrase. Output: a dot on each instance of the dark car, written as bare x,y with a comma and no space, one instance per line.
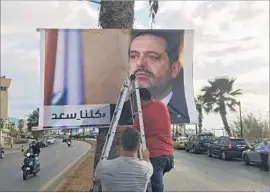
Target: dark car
42,143
228,147
199,143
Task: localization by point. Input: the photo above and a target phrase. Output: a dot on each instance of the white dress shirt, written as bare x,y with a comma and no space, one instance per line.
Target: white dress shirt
167,99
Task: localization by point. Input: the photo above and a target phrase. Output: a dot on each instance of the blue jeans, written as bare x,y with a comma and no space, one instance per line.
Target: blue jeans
161,165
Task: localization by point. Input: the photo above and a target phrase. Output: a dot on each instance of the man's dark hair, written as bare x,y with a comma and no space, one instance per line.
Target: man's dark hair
130,139
172,38
145,94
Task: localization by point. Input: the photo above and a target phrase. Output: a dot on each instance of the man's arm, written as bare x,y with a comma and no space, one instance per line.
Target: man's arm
98,171
136,124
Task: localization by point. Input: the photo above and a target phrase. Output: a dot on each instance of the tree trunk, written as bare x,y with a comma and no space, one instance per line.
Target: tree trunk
200,121
225,123
116,14
101,138
113,15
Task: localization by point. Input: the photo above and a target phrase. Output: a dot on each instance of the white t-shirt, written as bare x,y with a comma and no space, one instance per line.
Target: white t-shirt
124,174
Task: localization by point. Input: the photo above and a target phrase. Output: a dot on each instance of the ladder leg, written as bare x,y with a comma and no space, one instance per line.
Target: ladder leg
96,187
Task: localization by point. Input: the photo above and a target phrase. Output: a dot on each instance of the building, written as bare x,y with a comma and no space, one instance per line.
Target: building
4,86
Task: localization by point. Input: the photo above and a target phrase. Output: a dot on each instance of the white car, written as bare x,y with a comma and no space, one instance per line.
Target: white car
50,140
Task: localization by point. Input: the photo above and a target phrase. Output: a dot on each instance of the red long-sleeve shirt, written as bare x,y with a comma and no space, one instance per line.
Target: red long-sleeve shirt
157,127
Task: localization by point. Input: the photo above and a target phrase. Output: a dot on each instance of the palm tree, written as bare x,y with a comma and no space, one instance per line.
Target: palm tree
21,125
200,106
116,15
32,119
219,96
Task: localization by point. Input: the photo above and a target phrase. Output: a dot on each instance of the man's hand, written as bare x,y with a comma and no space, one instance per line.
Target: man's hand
146,154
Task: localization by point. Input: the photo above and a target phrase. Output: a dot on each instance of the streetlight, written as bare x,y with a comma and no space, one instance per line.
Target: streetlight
240,116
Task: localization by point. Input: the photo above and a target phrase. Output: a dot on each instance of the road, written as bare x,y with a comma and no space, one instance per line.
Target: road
53,159
197,172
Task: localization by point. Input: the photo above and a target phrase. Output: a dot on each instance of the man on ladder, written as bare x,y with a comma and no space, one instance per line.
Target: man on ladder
158,135
126,173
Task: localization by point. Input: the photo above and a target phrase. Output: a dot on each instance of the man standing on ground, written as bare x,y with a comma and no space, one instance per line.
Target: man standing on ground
157,127
126,173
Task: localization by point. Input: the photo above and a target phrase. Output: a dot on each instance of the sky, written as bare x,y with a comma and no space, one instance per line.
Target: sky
231,38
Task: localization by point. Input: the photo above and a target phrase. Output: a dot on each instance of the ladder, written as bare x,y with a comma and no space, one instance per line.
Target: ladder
130,84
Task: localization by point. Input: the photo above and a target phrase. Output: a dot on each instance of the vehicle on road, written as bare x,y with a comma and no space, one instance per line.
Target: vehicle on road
65,138
252,156
28,166
180,142
69,143
227,147
2,152
42,143
199,143
50,140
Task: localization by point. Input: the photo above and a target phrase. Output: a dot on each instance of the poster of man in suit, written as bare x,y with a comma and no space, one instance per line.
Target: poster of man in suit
82,72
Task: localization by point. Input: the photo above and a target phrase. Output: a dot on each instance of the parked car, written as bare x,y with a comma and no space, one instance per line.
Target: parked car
50,140
199,142
227,147
174,138
42,143
180,142
252,156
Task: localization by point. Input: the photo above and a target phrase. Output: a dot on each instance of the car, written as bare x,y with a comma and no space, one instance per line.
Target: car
252,156
42,143
180,142
228,147
50,140
198,143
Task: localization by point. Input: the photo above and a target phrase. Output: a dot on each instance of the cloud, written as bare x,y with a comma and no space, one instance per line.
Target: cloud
231,38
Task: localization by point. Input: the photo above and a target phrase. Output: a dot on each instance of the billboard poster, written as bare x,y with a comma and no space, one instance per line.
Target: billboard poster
82,71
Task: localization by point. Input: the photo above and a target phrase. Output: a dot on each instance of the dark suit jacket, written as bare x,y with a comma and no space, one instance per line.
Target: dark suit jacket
177,105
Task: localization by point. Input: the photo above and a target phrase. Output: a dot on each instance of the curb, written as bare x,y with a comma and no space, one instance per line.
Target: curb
51,185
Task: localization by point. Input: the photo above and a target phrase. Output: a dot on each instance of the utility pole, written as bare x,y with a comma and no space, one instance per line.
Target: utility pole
241,122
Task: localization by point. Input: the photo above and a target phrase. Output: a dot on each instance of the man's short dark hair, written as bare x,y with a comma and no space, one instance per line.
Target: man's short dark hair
145,94
130,139
172,38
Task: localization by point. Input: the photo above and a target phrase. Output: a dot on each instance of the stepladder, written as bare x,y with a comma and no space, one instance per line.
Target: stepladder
131,88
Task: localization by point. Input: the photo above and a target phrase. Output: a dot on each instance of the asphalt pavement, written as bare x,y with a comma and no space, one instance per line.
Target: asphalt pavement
199,173
53,160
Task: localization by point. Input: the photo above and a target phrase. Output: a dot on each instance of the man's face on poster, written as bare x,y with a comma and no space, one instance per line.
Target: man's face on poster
148,59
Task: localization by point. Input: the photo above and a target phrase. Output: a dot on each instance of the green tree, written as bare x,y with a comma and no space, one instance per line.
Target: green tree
219,97
33,119
21,125
1,123
116,15
200,106
253,126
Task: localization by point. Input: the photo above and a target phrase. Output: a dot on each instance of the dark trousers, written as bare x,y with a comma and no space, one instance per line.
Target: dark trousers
264,161
161,165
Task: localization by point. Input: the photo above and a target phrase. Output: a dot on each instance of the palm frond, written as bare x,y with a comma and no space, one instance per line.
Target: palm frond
236,92
154,6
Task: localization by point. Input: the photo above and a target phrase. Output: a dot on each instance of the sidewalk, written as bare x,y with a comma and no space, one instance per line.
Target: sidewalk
16,148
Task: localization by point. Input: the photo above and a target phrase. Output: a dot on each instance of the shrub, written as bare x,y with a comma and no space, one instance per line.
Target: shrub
22,141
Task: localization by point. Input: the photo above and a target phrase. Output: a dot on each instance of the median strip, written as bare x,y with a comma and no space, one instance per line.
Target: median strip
80,177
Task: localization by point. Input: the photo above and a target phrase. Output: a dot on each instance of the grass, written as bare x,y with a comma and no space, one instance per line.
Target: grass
80,178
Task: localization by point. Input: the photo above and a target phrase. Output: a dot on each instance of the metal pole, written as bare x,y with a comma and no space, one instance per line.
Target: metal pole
241,123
